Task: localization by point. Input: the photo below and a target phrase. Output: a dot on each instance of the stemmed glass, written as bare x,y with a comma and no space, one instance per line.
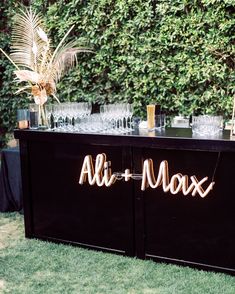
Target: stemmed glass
112,117
104,118
62,109
81,112
49,111
128,117
122,111
70,113
56,115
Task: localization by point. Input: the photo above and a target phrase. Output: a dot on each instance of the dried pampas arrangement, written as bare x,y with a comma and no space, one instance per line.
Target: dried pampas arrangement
34,58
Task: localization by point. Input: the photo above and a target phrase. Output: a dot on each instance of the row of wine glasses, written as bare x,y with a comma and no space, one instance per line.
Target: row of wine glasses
64,115
77,117
118,116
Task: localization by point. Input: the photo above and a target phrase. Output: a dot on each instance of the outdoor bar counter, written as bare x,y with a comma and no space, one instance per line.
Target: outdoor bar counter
164,196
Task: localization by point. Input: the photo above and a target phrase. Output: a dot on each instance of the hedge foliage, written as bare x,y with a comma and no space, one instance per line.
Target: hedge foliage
9,102
177,53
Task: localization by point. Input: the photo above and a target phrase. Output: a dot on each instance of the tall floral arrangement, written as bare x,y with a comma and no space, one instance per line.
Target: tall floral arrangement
36,63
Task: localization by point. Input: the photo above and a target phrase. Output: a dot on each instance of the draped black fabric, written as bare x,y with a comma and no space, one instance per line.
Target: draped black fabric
10,181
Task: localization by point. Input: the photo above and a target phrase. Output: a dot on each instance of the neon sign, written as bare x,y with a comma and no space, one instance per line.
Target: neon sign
101,175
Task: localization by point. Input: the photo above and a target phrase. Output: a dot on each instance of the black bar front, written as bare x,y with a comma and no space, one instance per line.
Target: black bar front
172,199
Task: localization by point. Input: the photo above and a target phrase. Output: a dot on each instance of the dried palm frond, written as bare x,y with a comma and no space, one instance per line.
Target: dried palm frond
27,46
27,75
65,58
34,59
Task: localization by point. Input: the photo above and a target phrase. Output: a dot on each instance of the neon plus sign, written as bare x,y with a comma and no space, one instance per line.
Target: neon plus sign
127,175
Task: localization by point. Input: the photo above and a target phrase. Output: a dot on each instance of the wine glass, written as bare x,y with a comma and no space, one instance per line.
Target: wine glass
129,114
49,111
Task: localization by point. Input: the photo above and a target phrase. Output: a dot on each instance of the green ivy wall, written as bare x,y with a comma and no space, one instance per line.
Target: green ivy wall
179,53
9,102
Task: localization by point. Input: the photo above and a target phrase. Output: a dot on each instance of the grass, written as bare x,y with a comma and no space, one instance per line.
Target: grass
33,266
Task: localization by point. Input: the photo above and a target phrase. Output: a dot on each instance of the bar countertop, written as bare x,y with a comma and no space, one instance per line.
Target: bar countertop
169,138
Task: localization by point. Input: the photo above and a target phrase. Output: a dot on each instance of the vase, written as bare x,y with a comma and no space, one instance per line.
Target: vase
37,116
207,125
42,121
40,100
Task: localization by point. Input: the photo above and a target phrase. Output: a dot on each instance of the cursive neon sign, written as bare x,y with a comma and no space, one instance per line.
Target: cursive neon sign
101,175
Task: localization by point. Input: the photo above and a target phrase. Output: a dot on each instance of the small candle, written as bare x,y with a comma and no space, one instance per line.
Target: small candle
23,124
22,118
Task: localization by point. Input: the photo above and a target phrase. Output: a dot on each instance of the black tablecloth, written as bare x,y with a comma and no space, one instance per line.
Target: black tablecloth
10,181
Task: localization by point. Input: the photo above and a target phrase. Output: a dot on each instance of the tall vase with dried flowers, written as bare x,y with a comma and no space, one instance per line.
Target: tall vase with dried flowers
35,60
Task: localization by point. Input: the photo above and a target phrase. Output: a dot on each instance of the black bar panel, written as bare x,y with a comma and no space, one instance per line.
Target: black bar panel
64,210
191,229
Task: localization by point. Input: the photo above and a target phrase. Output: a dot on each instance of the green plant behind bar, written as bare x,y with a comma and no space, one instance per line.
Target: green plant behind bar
177,53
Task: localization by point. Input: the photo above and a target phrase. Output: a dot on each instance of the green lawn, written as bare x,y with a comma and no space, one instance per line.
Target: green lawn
32,266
